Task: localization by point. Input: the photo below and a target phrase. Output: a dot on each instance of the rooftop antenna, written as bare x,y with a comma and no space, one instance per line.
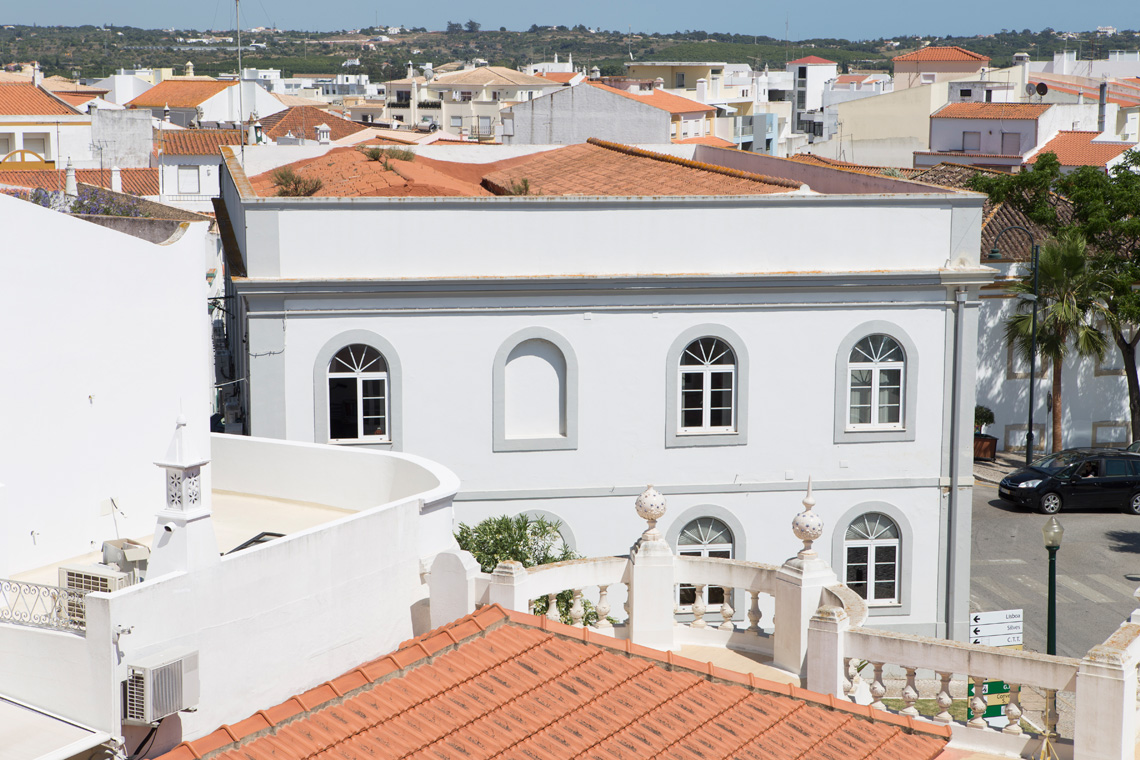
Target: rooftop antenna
241,104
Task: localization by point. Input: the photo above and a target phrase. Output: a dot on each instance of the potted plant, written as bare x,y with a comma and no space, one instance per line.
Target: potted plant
985,446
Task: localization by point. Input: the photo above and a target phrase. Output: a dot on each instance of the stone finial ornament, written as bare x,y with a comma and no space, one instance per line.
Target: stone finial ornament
650,507
807,525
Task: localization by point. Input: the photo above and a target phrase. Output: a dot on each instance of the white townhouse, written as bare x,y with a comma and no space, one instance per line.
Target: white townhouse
638,324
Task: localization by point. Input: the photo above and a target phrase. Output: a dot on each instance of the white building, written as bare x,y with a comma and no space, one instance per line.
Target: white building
40,130
595,346
812,74
207,102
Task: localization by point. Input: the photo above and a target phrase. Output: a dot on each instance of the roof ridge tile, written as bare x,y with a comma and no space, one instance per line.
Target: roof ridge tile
663,157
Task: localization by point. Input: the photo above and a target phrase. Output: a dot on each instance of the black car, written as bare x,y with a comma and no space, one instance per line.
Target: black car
1075,479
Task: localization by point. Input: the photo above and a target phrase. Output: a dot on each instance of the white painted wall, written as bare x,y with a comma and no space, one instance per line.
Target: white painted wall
56,138
119,347
574,114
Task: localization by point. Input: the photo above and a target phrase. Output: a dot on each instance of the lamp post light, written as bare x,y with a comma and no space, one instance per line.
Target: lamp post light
996,254
1052,532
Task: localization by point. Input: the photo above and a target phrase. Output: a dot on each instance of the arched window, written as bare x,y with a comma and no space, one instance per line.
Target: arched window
871,558
875,372
534,391
707,386
358,395
704,537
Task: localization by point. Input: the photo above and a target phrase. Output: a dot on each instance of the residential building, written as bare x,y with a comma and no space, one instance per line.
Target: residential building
1075,149
39,130
141,182
122,88
812,74
308,123
844,88
619,290
572,115
189,162
997,135
1120,64
937,63
206,102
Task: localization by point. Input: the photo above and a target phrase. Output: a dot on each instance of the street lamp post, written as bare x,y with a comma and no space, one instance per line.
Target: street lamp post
1052,532
996,254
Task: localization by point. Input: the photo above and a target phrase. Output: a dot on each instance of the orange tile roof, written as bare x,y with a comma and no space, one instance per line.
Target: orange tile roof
1078,149
713,140
941,53
560,76
135,181
179,93
1006,111
835,163
811,59
666,101
507,684
196,142
20,99
597,167
76,99
852,78
302,121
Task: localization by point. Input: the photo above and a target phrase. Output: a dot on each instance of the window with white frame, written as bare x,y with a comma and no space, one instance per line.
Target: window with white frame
456,122
871,558
703,537
358,395
188,180
707,387
875,372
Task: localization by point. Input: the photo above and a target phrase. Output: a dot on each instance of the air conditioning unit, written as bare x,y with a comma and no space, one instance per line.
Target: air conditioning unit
90,578
159,686
128,556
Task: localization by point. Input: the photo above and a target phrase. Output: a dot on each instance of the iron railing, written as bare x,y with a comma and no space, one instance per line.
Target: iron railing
52,607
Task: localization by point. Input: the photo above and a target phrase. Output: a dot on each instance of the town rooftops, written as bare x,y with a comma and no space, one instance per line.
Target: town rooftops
1077,148
25,99
811,60
484,76
666,101
506,684
1006,111
179,93
302,121
941,53
135,181
196,142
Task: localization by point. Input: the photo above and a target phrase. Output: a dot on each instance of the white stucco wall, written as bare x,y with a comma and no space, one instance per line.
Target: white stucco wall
119,344
574,114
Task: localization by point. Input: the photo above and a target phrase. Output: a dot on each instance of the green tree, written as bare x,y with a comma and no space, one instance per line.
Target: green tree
1067,305
472,25
453,27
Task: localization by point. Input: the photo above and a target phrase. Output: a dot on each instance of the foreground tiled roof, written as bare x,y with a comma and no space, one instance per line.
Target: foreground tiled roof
179,93
1078,149
666,101
598,167
302,121
1007,111
501,684
941,53
19,99
810,59
135,181
196,142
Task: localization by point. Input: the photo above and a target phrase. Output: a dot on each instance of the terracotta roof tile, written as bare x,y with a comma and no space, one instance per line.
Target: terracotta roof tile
811,59
602,168
196,142
302,121
512,688
135,181
853,78
941,53
179,93
1078,149
564,77
835,163
713,140
666,101
1006,111
18,99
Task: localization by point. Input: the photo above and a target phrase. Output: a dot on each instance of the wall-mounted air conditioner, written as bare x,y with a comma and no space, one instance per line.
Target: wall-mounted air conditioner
90,578
159,686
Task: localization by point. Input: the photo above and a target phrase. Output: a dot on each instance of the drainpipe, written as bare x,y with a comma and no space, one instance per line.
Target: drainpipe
953,559
1101,106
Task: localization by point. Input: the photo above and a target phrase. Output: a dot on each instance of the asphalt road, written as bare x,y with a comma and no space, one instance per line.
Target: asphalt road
1098,568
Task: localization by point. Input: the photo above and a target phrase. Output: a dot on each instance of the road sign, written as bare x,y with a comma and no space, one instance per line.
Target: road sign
997,697
995,629
1001,640
997,616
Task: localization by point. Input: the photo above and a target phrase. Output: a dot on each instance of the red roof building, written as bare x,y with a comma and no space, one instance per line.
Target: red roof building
941,53
302,121
811,60
179,93
937,63
135,181
506,684
1075,149
19,99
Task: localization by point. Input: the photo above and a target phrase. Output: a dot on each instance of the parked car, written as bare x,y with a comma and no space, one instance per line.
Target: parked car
1077,479
1134,447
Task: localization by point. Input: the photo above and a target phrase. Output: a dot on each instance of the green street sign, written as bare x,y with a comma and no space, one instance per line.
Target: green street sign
997,697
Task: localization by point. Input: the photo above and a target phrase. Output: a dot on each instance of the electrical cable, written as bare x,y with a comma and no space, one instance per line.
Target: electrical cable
144,746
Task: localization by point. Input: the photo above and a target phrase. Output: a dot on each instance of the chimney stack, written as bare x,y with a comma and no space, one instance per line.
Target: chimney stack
116,180
70,186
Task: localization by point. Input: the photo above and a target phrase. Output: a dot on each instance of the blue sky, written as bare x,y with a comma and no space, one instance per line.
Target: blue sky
861,19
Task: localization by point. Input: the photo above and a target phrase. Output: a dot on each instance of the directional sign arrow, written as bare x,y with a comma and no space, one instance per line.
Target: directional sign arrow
977,630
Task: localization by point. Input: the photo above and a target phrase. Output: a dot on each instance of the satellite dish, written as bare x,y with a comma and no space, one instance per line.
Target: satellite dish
1031,89
1042,88
429,74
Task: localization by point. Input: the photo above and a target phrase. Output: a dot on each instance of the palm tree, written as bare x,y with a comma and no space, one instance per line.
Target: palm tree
1067,306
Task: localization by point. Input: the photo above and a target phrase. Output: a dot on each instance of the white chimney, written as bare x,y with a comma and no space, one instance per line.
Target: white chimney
659,83
702,89
166,113
189,68
116,180
70,186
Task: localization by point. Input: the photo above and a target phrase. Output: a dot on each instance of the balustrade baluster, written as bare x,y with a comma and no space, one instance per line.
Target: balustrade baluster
699,608
1051,712
1013,710
910,695
552,607
603,609
530,606
726,611
577,611
848,682
754,612
944,700
878,689
978,703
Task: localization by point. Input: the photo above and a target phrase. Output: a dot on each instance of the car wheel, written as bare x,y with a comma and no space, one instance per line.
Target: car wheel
1133,507
1050,504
